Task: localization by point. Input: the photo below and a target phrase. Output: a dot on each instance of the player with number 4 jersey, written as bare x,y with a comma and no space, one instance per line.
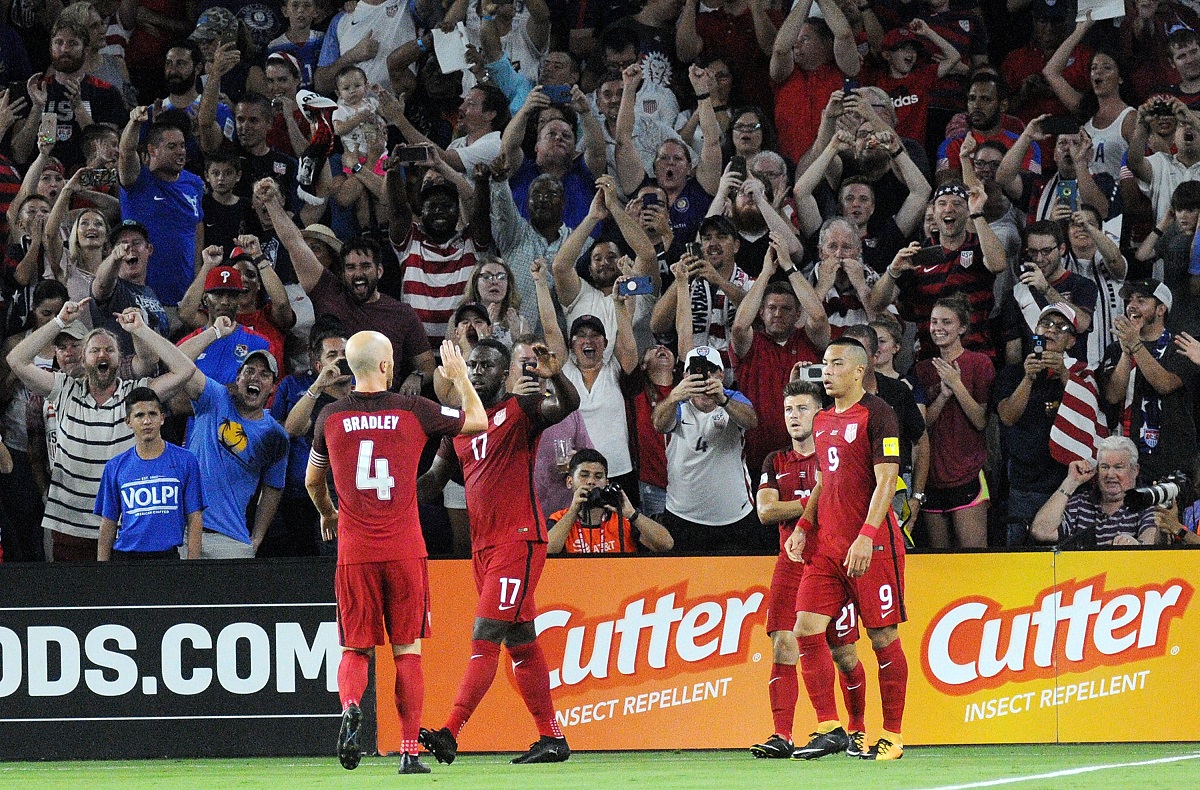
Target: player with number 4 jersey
508,541
860,550
372,440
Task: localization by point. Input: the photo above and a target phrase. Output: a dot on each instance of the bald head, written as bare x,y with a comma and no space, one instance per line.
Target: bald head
369,355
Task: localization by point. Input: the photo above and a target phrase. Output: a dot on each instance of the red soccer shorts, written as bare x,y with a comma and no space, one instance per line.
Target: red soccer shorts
782,605
506,577
878,594
373,596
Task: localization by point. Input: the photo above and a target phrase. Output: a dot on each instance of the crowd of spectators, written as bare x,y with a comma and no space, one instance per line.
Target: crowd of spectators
685,201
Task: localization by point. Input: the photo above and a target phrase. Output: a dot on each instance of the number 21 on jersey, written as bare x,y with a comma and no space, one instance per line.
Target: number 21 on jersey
381,481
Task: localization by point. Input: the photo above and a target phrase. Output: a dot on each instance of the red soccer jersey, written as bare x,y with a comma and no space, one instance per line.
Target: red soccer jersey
849,445
761,375
497,468
373,442
910,96
793,476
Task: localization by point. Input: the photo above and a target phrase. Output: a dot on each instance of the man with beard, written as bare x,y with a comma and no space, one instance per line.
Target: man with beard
987,101
242,451
1184,46
78,99
1160,173
219,348
435,257
352,297
508,542
748,203
968,263
764,358
90,411
181,71
167,199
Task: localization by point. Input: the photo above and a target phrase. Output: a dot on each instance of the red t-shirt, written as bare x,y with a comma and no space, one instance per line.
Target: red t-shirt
910,96
1028,60
652,445
849,445
497,467
761,376
799,102
793,476
957,451
372,442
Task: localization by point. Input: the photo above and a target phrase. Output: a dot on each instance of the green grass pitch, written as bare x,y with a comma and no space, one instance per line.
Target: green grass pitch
927,767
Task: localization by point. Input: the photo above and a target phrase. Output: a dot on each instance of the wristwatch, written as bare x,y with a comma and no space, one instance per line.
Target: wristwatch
919,496
357,166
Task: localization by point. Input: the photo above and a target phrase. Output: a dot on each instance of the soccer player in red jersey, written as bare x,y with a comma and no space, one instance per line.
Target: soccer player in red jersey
788,477
372,440
508,543
860,549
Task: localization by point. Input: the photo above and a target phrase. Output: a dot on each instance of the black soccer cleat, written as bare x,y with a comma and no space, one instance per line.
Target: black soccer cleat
858,745
833,742
776,748
441,744
545,750
411,764
349,751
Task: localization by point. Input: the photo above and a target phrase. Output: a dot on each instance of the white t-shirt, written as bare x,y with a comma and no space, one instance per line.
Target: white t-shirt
603,411
480,152
707,482
391,25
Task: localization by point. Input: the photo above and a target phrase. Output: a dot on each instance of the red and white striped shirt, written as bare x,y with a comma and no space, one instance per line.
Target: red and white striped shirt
435,277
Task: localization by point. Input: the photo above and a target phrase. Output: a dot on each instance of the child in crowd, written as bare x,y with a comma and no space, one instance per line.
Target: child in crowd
225,214
356,120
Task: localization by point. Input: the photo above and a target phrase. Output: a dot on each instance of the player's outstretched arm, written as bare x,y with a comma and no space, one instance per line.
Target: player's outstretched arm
318,492
454,368
564,398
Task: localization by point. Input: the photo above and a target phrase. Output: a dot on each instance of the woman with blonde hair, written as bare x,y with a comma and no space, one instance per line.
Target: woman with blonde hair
74,262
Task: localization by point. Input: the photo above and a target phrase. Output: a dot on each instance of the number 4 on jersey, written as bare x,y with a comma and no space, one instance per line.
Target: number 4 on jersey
382,482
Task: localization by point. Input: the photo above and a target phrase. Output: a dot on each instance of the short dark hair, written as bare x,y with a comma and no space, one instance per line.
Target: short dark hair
344,70
1181,38
93,134
981,77
74,27
323,329
586,455
994,145
1186,196
495,101
1046,227
224,156
498,347
364,245
866,335
141,395
193,49
956,303
618,38
258,100
159,129
779,288
848,341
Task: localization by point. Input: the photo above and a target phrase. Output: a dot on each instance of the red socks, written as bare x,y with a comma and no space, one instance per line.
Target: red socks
410,698
485,657
854,693
893,683
533,681
783,689
816,665
352,677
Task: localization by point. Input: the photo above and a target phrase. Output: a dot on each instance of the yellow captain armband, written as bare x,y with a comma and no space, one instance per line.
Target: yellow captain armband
891,446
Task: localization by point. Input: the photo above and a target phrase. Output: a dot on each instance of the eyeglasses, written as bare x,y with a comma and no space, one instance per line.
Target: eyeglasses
767,175
494,277
1056,326
747,127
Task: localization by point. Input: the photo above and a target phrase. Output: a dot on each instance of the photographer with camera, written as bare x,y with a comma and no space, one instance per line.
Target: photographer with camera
1097,515
601,519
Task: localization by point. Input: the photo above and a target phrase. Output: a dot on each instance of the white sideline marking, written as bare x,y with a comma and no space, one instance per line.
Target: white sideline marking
1087,769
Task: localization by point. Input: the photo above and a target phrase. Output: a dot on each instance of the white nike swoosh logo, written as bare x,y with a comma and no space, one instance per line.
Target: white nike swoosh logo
782,475
885,666
772,680
820,433
518,663
477,655
852,688
928,269
506,608
159,197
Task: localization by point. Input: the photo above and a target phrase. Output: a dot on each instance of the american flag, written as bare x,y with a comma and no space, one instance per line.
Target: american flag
1079,422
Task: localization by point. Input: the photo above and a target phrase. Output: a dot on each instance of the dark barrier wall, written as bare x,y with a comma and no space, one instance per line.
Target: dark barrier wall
167,660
